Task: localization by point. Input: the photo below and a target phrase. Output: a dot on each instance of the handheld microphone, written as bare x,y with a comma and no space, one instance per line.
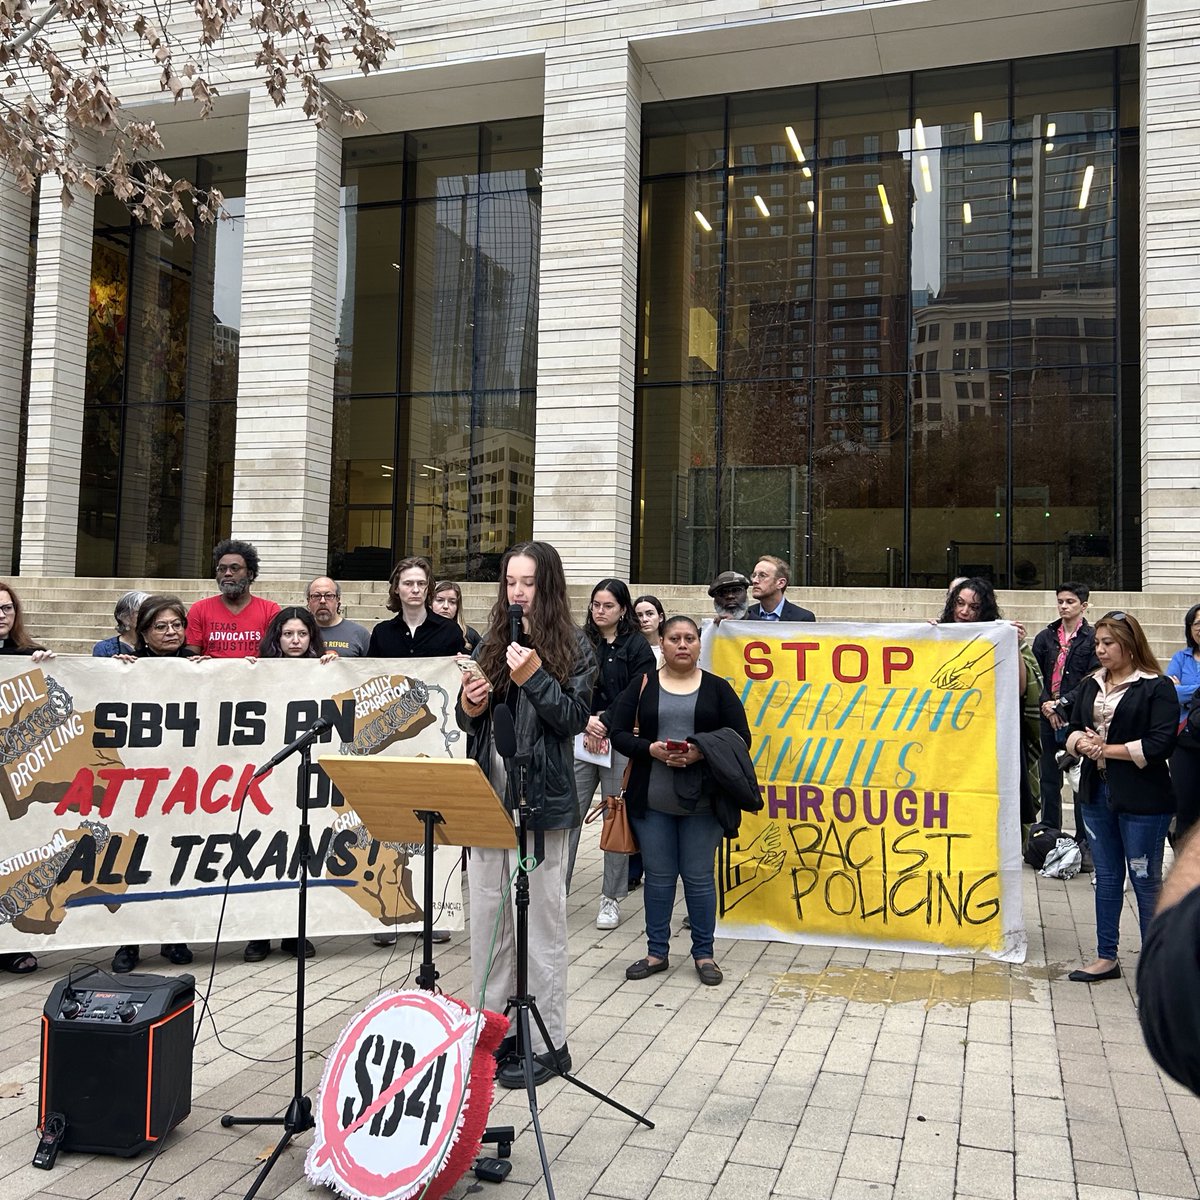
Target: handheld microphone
311,734
504,732
515,615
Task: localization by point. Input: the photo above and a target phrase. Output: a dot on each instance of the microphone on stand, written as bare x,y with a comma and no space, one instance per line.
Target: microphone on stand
504,732
515,615
311,734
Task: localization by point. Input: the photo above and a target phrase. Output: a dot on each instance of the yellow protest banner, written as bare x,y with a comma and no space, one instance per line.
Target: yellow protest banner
888,757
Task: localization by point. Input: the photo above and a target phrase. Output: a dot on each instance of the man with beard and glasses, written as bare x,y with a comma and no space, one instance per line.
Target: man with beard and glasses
232,623
346,638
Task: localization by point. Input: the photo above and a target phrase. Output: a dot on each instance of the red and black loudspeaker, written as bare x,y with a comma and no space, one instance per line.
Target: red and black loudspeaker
117,1060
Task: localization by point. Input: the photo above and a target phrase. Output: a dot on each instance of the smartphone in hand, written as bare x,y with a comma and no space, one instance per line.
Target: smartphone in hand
676,747
470,668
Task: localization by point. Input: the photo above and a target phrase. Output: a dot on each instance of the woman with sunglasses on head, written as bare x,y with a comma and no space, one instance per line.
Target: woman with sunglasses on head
161,632
544,679
15,640
1123,726
623,654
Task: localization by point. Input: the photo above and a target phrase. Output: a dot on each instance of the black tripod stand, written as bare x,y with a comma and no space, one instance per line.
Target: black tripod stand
298,1116
521,1004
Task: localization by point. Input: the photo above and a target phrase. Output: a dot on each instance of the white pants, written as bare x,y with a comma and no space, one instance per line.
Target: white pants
488,872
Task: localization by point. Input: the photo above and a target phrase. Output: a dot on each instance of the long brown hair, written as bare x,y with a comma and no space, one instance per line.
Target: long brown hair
552,632
448,585
1129,635
18,635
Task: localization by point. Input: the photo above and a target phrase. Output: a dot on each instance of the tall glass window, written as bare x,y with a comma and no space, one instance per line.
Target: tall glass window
881,332
161,396
437,349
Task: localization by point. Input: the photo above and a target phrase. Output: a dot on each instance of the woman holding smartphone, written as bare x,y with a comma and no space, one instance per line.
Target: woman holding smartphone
544,679
670,793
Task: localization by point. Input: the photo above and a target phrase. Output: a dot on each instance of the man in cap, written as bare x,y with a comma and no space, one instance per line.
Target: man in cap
728,592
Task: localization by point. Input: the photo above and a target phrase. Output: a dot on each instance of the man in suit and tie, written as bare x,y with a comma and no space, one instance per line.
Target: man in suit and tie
768,582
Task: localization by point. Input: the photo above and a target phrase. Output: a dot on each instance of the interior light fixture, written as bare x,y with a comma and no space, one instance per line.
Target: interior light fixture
926,178
887,208
1085,190
1050,131
919,133
966,212
978,126
795,142
1014,187
702,221
762,205
812,207
806,172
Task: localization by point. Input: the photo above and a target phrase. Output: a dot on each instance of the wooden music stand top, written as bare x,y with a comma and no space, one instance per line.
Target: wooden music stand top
387,793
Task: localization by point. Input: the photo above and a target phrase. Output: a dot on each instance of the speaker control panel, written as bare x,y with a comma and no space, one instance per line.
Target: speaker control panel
89,1005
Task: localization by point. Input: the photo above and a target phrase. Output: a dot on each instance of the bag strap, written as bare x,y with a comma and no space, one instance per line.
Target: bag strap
637,720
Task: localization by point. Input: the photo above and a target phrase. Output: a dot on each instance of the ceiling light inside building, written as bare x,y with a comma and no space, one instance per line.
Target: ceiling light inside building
702,221
795,142
762,205
979,126
887,208
919,133
967,212
1085,190
926,178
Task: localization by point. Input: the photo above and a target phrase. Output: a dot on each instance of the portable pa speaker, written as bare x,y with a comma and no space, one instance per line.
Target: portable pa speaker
117,1060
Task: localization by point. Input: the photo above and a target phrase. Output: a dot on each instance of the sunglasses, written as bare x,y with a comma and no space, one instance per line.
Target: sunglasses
1115,615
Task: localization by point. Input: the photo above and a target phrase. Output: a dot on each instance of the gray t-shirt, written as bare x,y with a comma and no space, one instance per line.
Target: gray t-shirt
676,723
347,638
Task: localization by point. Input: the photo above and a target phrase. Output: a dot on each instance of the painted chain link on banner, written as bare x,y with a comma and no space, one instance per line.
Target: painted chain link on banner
121,786
888,757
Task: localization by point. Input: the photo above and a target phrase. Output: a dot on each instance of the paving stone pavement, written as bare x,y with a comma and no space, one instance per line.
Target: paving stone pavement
815,1073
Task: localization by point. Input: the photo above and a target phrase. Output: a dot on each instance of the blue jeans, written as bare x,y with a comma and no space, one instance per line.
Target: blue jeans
679,848
1123,841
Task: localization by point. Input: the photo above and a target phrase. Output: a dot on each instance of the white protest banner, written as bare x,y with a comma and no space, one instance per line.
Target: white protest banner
128,801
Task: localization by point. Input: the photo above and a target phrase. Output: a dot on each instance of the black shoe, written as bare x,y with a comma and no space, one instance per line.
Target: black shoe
644,968
635,883
1113,972
545,1066
506,1050
256,951
288,946
125,959
179,953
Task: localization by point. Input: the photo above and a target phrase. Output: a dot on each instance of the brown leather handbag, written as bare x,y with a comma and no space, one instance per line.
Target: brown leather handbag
616,834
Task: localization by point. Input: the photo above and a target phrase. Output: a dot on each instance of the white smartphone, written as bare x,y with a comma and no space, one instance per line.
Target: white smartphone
468,666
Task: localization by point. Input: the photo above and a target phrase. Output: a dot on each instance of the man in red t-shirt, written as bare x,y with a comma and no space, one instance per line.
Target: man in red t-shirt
232,623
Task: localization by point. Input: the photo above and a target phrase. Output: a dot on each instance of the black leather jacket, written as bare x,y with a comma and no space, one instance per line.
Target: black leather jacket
548,716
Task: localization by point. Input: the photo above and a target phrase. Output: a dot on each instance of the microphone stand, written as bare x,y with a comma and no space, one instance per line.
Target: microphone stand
521,1004
298,1117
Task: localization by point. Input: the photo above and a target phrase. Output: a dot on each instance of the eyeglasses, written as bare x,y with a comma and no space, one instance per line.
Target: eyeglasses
167,626
7,609
322,595
599,606
759,575
228,569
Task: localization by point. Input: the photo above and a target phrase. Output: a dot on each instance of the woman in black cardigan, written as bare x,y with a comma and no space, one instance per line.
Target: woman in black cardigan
1123,725
670,793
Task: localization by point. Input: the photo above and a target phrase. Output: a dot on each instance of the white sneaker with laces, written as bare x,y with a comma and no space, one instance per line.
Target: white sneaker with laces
609,916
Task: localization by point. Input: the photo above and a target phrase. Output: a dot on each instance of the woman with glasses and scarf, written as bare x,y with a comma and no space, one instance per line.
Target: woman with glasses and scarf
1123,726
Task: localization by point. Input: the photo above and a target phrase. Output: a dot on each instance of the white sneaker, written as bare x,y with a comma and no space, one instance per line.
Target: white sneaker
609,916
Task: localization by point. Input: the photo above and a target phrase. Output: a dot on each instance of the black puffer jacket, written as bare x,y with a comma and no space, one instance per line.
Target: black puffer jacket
548,716
735,787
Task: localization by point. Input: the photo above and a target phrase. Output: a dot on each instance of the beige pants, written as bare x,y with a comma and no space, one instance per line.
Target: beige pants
488,874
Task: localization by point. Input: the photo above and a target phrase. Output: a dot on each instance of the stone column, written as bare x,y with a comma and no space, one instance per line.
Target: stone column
14,268
1170,248
285,377
587,306
57,376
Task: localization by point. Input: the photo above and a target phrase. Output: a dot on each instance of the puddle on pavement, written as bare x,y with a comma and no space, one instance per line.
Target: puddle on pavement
871,985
